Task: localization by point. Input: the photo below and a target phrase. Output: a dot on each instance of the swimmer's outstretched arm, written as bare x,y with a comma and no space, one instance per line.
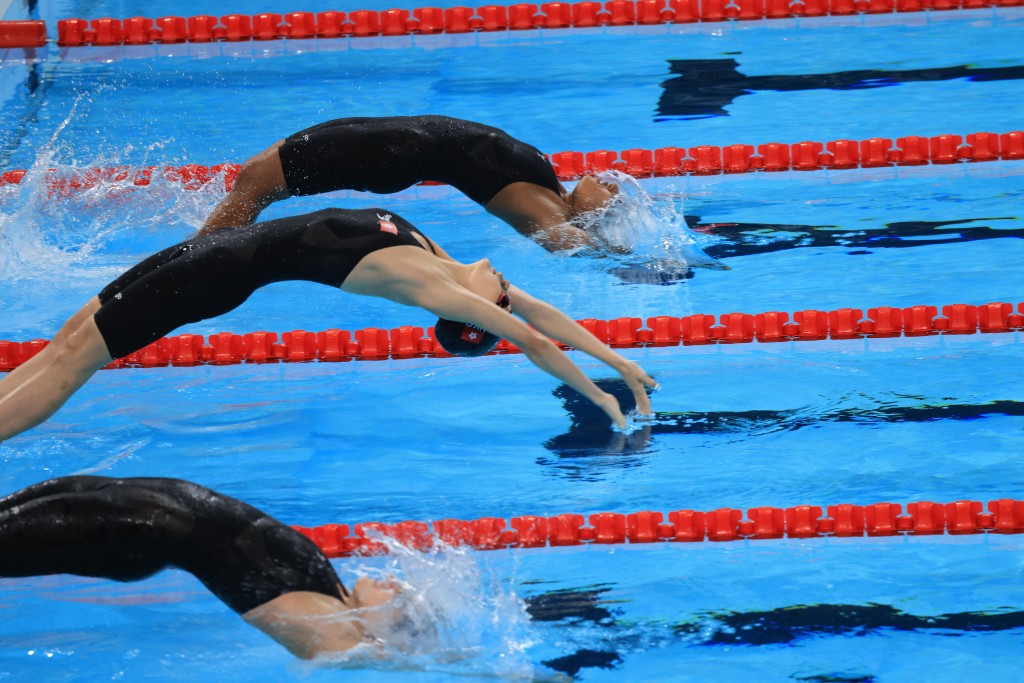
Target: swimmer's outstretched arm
456,303
550,321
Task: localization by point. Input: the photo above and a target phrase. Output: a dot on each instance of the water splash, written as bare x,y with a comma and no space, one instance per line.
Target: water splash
650,240
65,217
456,619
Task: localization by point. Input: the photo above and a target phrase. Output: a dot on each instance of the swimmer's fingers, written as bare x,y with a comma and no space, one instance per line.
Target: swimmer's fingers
639,381
610,405
650,382
643,403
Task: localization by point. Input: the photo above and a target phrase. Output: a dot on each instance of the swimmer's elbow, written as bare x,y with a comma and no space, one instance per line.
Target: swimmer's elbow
535,344
303,644
346,655
321,651
303,650
565,239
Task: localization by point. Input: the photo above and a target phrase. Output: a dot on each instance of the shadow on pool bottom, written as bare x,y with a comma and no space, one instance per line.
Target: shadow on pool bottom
734,240
705,88
751,239
589,436
589,607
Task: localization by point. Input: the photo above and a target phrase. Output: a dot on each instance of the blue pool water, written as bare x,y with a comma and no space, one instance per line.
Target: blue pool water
860,422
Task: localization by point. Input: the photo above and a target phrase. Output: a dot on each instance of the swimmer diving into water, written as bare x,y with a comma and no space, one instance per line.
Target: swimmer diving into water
509,178
129,529
368,252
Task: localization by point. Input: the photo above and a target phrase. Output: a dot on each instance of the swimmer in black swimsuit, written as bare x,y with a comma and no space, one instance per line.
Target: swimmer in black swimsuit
130,529
367,252
509,178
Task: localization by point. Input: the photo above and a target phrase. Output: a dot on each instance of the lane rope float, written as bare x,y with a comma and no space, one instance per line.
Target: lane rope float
371,343
268,26
922,518
702,160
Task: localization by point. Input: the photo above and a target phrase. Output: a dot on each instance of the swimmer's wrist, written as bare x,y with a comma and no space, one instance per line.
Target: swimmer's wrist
620,364
610,405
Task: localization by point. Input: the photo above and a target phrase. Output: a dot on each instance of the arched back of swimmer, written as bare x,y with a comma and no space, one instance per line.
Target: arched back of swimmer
130,529
369,252
508,177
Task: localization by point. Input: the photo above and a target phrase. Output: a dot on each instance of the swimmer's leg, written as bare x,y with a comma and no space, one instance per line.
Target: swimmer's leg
72,323
35,390
67,329
260,182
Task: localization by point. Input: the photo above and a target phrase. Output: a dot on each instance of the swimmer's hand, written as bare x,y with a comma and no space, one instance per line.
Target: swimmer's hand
610,405
638,382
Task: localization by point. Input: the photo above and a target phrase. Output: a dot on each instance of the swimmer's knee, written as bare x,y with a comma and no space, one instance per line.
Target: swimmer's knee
78,317
248,182
255,178
261,178
83,350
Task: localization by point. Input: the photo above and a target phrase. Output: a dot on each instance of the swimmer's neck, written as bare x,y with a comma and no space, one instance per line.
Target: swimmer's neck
459,272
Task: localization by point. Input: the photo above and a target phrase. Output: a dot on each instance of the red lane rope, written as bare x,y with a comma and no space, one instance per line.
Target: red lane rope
455,20
191,176
1004,516
910,150
22,34
227,348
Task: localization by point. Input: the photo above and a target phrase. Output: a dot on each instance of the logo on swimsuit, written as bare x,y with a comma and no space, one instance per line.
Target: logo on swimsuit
386,225
472,334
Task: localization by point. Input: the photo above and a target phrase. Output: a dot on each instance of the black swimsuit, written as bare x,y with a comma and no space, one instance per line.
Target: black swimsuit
129,529
389,154
215,273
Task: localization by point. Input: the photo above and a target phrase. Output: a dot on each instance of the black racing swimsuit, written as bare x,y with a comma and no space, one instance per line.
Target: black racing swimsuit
215,273
129,529
390,154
